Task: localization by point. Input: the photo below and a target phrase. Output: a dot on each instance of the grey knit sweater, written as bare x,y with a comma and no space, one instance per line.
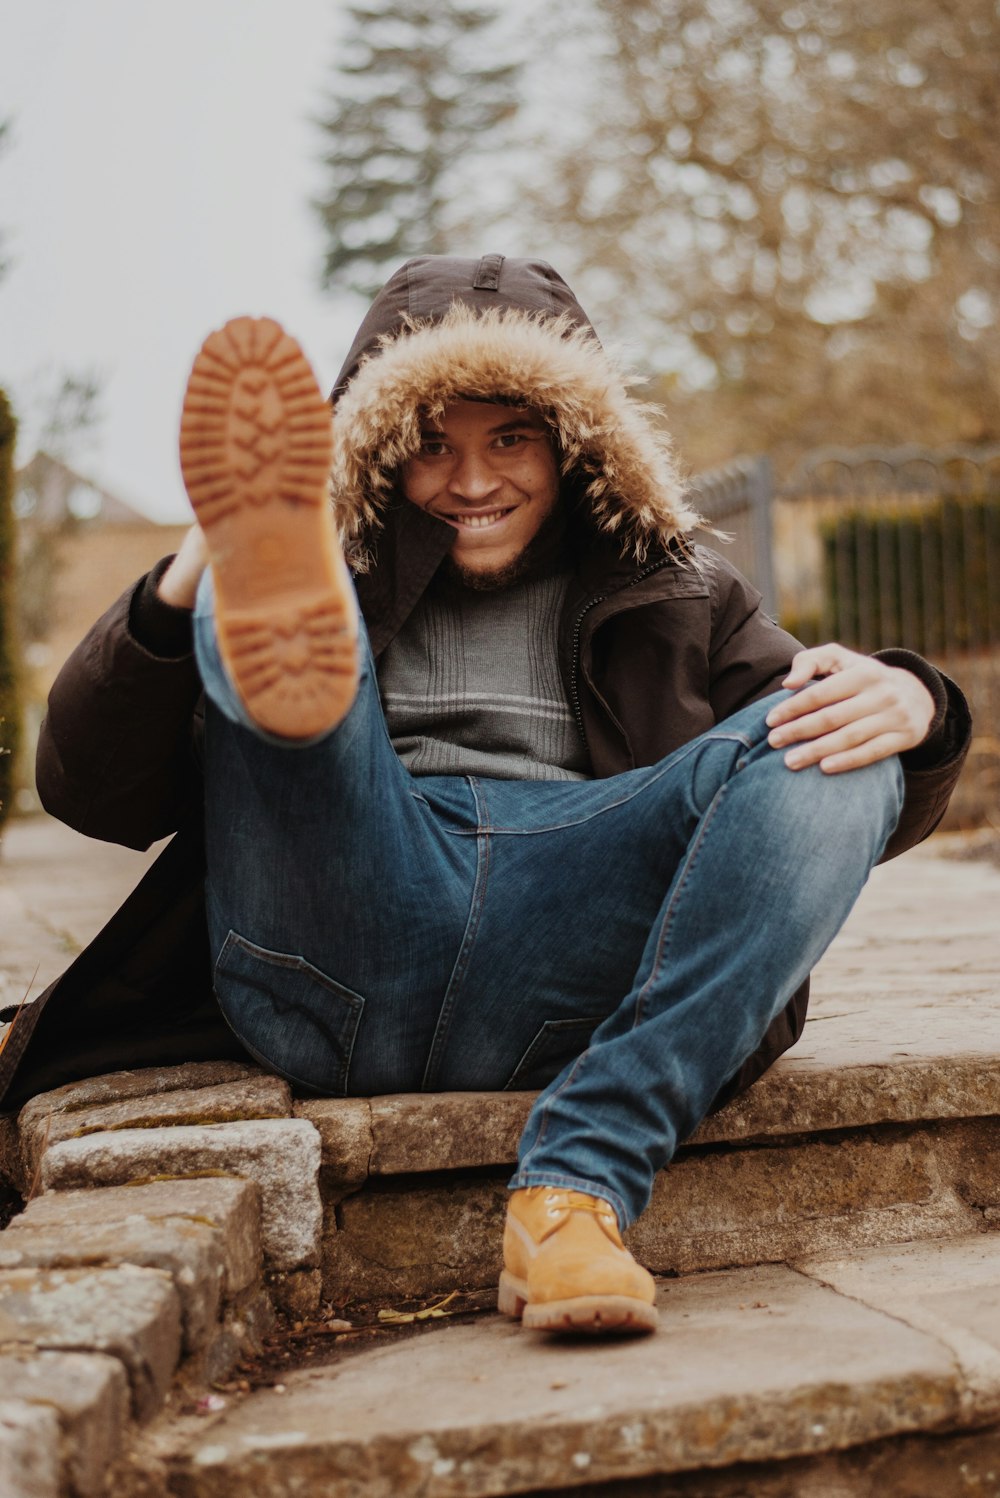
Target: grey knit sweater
471,685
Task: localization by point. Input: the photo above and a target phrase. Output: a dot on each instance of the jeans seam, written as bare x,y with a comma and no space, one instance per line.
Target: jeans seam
666,923
678,758
544,1122
468,938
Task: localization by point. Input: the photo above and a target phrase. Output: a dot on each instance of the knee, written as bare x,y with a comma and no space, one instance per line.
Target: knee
856,810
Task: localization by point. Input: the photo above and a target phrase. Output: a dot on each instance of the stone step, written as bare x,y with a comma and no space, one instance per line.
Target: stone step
854,1138
828,1152
878,1351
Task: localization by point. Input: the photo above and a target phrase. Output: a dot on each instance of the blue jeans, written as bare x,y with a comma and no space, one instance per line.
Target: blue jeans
622,944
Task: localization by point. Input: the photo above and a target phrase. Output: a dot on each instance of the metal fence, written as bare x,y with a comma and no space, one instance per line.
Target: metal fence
876,547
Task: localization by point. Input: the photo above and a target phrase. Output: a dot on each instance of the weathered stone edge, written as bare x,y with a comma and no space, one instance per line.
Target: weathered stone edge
408,1134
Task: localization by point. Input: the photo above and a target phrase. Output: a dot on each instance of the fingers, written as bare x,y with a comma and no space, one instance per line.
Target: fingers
821,660
179,584
859,710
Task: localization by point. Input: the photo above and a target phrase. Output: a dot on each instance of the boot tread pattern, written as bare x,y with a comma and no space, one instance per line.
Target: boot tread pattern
255,427
256,444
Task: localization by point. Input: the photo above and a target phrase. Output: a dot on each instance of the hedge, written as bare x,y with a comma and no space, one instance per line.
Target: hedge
924,575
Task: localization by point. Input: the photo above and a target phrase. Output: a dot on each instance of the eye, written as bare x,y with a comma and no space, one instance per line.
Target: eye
510,439
432,447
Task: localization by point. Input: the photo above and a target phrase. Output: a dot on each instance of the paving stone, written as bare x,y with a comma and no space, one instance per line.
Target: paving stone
949,1288
29,1451
239,1098
806,1093
915,1466
227,1205
345,1129
132,1314
89,1394
188,1251
750,1366
112,1087
416,1241
802,1094
412,1237
446,1131
281,1155
746,1206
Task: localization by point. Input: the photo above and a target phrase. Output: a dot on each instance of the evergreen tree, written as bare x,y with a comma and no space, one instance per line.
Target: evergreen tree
4,133
10,713
410,107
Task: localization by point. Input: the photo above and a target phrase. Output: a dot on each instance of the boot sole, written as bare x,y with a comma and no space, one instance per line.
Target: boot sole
585,1314
255,446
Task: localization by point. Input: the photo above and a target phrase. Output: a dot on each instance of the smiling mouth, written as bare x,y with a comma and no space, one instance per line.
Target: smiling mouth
478,521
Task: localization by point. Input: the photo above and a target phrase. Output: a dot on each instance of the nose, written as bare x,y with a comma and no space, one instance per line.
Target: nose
473,480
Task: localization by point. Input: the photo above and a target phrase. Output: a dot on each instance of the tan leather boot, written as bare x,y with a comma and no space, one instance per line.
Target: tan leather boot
566,1268
256,445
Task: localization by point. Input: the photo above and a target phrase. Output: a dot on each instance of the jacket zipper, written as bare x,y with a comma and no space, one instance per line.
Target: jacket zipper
574,680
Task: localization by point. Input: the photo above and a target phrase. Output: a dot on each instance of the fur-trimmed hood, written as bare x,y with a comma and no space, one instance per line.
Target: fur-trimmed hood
510,331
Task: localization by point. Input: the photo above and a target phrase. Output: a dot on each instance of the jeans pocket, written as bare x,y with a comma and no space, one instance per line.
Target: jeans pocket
295,1019
558,1042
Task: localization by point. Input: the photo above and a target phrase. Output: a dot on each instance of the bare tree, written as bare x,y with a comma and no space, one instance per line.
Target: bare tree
800,200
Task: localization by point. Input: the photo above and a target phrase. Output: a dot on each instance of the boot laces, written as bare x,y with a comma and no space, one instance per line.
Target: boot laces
578,1201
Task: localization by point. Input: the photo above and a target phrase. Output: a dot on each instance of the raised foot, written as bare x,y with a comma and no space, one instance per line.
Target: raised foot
256,444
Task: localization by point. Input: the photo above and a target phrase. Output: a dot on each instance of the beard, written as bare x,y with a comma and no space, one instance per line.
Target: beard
544,550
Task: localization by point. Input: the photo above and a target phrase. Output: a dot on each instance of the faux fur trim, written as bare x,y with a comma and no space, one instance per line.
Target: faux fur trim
614,444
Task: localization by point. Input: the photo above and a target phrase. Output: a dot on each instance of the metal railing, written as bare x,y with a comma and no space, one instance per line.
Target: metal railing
877,547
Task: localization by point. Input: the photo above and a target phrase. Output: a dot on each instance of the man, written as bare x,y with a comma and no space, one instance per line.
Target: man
556,807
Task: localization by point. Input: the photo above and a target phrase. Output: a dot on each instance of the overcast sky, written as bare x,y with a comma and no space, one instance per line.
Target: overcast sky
157,183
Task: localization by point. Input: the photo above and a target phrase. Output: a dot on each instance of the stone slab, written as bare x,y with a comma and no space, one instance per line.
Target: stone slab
963,1465
811,1093
802,1094
808,1195
89,1394
132,1314
147,1081
446,1131
409,1236
188,1251
948,1288
227,1205
29,1451
413,1242
281,1155
230,1101
345,1130
749,1366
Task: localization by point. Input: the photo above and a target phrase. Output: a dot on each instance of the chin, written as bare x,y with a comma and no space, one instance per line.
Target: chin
485,579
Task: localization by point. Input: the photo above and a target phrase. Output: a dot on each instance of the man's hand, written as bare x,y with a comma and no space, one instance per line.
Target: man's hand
179,584
862,710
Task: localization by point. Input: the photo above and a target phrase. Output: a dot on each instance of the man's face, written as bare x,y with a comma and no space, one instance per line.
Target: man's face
491,473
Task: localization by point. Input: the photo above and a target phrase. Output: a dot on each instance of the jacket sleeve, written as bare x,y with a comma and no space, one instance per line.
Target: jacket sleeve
117,749
750,656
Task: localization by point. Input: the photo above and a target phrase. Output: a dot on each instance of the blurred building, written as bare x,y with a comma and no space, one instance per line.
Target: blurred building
79,547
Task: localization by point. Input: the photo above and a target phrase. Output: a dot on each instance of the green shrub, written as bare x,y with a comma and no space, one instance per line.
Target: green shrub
921,574
10,711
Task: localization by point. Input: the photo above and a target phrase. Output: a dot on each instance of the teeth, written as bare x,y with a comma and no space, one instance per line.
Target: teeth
476,522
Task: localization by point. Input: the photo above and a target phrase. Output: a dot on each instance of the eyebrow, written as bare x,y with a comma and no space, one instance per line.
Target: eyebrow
518,423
